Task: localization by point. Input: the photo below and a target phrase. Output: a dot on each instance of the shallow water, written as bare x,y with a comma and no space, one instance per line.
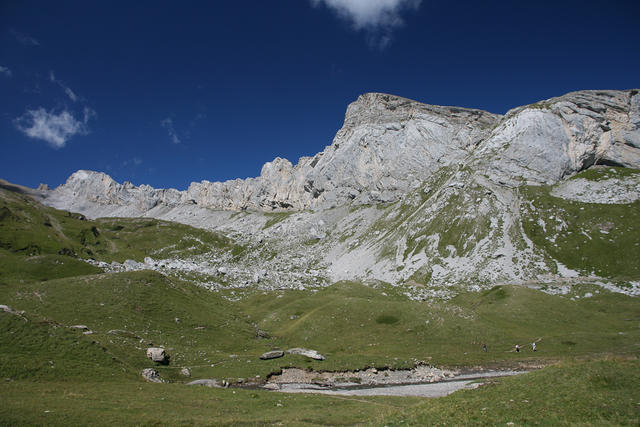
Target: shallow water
437,389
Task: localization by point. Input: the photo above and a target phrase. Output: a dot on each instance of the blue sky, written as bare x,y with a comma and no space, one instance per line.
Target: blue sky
167,92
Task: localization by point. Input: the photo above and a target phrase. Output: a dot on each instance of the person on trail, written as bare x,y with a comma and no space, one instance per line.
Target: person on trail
533,345
484,348
517,348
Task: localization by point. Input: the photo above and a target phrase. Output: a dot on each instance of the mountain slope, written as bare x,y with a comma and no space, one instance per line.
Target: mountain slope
431,198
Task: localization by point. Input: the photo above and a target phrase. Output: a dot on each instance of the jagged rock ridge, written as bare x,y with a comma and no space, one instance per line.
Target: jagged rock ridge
389,145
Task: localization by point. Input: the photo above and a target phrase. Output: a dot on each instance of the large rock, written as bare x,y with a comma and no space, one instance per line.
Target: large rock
312,354
272,355
157,354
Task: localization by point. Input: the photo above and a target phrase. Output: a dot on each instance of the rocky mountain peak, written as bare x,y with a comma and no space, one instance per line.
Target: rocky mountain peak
384,108
390,145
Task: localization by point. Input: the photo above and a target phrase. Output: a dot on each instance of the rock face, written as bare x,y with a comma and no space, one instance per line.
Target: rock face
549,140
385,146
388,145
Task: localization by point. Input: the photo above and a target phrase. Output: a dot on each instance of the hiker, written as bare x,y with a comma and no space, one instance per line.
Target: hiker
517,348
484,348
533,345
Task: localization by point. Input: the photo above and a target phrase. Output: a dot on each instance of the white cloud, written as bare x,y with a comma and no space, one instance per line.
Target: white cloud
377,17
55,128
168,125
4,70
72,96
370,13
24,39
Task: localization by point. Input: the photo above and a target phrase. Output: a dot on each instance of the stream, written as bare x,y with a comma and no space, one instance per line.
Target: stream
430,389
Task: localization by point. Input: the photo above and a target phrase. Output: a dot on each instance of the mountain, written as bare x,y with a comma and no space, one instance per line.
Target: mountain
432,198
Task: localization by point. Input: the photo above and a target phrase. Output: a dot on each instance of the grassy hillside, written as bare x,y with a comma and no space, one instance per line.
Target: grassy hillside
47,243
55,374
354,326
360,326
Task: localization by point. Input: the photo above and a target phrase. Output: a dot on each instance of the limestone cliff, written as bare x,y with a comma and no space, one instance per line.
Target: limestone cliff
390,145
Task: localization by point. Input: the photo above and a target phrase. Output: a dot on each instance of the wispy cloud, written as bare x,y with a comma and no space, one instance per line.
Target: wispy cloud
378,18
132,162
192,124
168,125
5,71
72,96
54,128
24,39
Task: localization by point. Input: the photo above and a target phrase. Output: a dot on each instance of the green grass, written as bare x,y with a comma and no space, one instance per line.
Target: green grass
88,403
199,327
598,393
275,217
355,325
589,237
602,173
592,392
29,228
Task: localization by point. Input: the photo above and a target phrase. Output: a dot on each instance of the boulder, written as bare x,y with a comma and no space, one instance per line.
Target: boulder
157,354
272,355
151,375
312,354
185,372
82,327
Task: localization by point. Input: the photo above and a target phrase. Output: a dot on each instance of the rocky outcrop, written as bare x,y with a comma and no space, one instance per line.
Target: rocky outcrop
550,140
157,354
151,375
